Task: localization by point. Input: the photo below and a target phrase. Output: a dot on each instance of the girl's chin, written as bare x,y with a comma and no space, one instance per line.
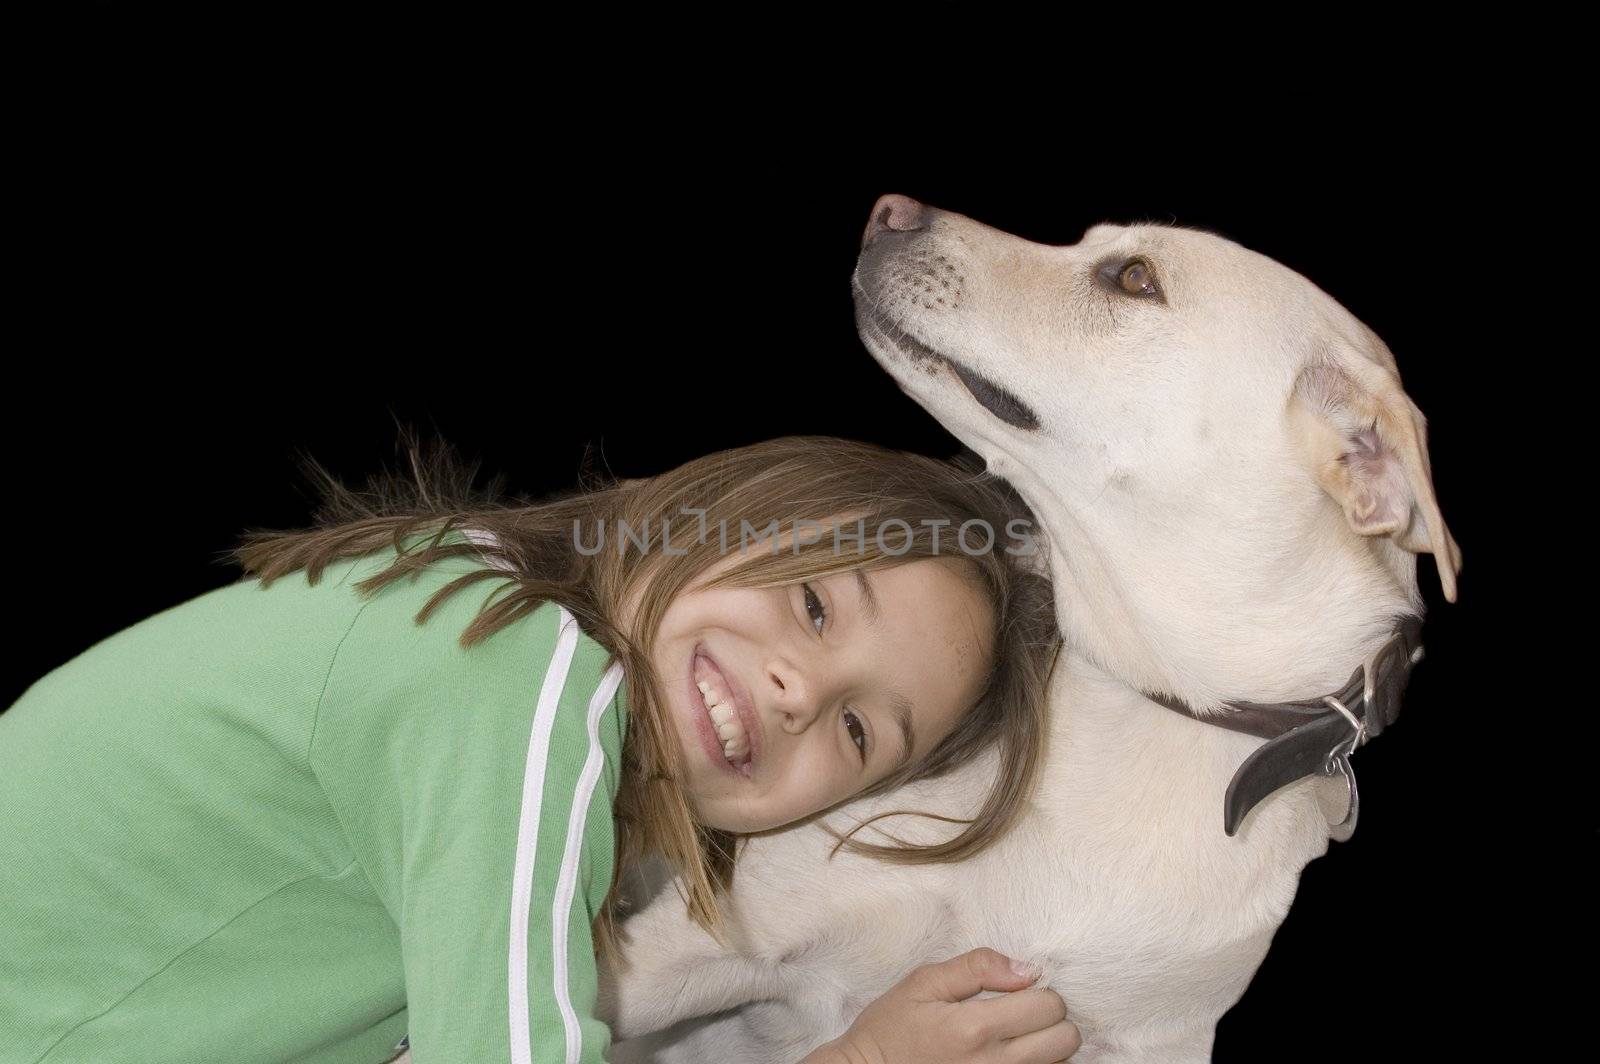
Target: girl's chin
732,814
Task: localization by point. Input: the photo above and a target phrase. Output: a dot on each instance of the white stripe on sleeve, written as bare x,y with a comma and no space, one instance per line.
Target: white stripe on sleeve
555,678
566,886
484,538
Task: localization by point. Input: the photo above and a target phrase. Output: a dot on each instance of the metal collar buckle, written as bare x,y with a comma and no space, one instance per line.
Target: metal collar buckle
1313,736
1338,759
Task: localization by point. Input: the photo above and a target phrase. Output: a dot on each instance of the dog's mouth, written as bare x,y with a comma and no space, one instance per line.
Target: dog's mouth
993,398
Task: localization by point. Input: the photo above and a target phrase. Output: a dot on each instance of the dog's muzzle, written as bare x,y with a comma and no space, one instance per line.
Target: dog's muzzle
892,244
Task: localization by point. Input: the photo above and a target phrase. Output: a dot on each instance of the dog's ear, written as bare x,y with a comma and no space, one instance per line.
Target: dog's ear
1368,442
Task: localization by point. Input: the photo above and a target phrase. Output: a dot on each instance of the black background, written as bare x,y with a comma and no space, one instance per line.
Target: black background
239,284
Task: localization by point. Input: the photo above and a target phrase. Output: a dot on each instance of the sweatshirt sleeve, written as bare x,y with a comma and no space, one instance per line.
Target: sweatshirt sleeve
475,787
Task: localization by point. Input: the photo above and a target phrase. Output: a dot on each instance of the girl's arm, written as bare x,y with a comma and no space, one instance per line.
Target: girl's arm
474,787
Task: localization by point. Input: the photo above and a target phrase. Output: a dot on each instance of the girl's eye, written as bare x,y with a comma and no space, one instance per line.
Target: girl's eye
862,742
821,614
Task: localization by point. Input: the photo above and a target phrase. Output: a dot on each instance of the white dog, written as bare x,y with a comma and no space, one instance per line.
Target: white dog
1234,488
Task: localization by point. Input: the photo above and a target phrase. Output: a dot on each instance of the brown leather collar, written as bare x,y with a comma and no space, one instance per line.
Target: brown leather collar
1315,736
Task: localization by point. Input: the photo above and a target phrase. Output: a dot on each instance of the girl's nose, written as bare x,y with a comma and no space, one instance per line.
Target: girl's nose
791,696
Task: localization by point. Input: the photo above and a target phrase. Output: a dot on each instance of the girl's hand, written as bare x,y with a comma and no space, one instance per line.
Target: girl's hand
926,1019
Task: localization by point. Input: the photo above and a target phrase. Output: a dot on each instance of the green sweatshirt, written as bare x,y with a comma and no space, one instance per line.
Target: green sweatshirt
292,824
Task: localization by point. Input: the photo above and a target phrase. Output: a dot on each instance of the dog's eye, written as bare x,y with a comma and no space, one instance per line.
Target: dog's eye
1136,279
1131,277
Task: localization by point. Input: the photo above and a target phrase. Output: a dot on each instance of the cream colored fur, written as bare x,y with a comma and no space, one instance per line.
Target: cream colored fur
1233,485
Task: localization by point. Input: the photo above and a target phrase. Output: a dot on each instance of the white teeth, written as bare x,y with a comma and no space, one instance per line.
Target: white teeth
735,744
727,723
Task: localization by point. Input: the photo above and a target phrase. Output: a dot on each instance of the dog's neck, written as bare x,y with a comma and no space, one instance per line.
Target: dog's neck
1156,603
1251,625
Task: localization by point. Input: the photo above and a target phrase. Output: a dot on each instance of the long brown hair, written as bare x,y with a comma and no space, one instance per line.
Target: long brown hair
899,502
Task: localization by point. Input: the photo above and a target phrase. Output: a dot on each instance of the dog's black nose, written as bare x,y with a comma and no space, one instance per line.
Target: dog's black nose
893,214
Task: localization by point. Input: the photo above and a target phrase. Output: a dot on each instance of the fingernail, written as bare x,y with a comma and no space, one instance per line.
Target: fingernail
1026,969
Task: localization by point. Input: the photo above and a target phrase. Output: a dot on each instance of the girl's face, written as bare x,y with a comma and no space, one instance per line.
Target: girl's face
818,689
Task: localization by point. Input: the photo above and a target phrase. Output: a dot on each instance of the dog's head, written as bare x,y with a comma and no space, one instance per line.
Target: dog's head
1197,426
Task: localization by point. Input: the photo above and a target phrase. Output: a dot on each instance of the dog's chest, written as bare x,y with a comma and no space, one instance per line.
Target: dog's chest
1146,915
1135,938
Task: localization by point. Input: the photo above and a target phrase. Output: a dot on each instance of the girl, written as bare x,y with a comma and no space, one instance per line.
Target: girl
295,819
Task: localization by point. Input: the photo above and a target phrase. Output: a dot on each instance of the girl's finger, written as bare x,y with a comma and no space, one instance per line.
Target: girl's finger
1054,1043
966,974
1019,1013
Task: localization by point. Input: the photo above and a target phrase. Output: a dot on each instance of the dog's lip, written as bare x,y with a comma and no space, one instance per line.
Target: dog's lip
997,400
891,330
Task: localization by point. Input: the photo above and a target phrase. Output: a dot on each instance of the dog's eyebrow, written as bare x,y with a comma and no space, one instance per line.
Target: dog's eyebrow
901,705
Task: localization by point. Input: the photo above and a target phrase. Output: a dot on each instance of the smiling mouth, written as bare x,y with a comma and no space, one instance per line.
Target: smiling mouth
993,398
718,699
